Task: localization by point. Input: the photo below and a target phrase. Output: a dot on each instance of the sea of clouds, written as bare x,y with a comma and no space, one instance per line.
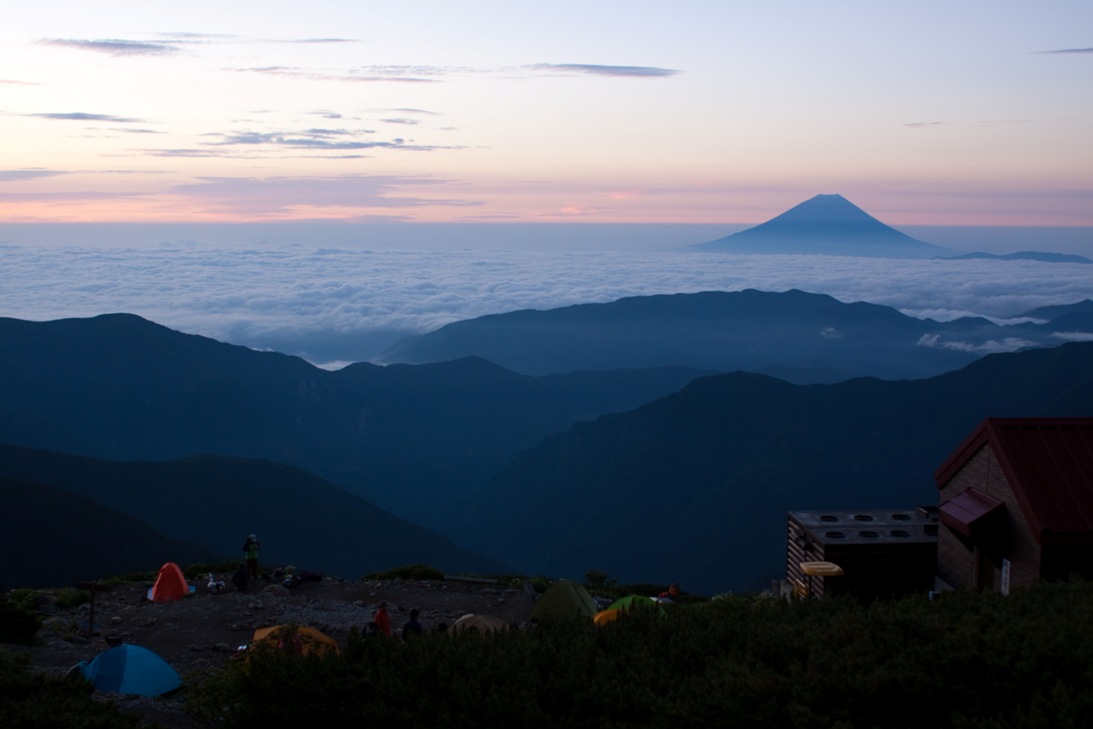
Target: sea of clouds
336,305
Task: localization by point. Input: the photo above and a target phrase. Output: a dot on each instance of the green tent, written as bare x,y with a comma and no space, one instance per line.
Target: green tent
565,599
624,603
641,601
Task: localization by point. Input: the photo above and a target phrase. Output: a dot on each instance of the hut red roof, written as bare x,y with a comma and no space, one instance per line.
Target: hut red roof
1048,462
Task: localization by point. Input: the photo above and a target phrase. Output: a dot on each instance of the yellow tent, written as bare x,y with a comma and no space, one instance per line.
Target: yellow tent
479,623
299,640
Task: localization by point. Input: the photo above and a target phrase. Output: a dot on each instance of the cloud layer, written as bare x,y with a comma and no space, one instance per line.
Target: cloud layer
345,303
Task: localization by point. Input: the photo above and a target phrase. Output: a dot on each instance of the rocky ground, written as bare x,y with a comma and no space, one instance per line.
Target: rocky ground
198,634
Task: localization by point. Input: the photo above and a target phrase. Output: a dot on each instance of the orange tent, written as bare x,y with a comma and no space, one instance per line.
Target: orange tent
604,617
170,584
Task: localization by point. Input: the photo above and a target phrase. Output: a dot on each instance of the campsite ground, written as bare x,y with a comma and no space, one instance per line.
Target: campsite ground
198,634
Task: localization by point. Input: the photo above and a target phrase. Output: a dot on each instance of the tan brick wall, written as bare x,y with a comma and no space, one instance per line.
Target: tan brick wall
956,562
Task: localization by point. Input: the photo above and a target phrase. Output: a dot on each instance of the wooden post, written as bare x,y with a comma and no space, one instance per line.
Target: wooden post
92,587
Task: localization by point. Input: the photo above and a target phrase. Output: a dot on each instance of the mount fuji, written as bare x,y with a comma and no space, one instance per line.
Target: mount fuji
826,225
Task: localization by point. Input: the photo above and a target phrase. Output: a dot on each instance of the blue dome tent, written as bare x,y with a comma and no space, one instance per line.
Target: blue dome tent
131,669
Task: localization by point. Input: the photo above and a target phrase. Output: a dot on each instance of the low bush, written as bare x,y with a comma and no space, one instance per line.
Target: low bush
968,660
31,700
19,621
130,577
70,597
408,572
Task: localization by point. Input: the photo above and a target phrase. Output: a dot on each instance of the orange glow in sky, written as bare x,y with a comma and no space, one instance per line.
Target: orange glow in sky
481,112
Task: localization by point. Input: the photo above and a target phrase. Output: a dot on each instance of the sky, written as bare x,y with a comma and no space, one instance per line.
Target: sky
722,112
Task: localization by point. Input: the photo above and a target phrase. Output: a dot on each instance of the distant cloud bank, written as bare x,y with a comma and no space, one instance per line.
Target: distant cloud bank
115,47
1070,50
85,116
598,70
346,303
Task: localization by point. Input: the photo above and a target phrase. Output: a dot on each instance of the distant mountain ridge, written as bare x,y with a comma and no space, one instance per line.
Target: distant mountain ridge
1042,256
826,225
797,336
409,439
1050,313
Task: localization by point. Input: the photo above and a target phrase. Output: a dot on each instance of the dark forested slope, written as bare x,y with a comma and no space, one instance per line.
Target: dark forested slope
215,502
696,486
410,439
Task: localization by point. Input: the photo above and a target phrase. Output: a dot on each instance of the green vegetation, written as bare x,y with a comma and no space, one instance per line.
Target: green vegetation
28,700
963,660
408,572
19,622
130,577
969,660
70,597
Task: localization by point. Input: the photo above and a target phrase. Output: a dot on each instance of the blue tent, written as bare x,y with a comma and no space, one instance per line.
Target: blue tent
130,669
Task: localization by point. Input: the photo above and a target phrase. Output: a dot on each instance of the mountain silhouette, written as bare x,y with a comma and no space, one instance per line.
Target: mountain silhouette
212,502
695,486
620,471
1054,311
1042,256
794,335
408,439
52,537
826,225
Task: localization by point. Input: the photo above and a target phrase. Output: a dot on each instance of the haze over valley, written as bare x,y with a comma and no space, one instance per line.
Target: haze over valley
347,303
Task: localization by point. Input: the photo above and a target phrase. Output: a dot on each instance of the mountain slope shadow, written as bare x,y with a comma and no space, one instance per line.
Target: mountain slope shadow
695,486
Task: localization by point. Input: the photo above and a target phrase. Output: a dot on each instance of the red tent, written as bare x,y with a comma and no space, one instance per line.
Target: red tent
170,584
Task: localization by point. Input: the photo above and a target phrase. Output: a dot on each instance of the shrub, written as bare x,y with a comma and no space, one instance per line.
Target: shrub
19,622
597,580
408,572
130,577
24,598
31,700
969,660
70,597
539,584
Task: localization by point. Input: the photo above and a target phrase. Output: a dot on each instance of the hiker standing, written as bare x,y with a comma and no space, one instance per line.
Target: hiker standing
241,577
251,547
382,619
412,626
